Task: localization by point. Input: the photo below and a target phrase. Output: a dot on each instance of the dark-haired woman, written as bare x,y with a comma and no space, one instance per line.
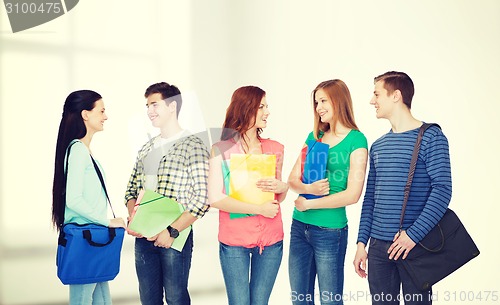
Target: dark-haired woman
251,247
78,197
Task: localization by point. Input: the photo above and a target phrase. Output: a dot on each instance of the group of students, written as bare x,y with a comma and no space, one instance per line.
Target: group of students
178,165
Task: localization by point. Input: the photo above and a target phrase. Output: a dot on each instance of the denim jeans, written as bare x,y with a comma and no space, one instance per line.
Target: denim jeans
316,251
386,276
90,294
249,275
162,270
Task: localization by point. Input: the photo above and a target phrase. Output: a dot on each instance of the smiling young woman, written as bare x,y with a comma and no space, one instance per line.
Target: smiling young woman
78,196
318,239
253,242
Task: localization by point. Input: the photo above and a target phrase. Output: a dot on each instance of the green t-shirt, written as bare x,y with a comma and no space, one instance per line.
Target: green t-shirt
337,171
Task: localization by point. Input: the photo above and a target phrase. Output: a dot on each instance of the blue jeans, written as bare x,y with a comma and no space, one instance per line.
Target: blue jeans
386,276
248,275
90,294
316,251
162,270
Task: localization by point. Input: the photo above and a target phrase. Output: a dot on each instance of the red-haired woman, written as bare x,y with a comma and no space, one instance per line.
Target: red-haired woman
251,247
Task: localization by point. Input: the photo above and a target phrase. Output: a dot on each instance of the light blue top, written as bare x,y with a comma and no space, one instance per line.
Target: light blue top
85,198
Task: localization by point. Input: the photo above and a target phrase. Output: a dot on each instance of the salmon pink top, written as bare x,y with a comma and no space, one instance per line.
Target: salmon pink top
257,230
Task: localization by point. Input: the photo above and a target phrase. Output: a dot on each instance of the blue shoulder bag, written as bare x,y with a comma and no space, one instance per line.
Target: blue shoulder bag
88,253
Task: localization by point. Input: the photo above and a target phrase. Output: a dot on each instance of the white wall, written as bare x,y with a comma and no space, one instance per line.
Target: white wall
209,48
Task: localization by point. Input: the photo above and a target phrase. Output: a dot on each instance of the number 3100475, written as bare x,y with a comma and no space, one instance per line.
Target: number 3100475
33,8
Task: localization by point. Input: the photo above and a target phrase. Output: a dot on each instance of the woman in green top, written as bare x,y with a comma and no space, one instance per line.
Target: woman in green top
318,239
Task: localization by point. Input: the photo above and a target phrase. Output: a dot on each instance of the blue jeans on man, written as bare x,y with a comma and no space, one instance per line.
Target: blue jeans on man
316,251
249,274
386,276
162,271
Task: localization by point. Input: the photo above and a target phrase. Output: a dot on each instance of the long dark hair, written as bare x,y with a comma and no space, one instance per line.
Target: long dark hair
71,127
240,115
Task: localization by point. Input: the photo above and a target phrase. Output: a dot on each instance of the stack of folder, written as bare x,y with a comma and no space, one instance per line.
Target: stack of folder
314,160
241,174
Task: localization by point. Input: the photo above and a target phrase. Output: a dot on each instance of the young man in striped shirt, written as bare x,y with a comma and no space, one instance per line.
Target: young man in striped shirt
430,194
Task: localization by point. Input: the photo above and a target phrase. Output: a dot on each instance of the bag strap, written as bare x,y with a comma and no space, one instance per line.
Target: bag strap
87,234
66,168
103,184
413,165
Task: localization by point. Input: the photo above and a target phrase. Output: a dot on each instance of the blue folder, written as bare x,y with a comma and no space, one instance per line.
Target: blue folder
315,162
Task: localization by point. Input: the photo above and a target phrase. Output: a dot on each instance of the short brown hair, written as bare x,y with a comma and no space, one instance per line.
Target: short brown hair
169,93
398,81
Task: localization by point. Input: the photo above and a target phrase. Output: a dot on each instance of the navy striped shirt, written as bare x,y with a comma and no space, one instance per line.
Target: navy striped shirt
430,192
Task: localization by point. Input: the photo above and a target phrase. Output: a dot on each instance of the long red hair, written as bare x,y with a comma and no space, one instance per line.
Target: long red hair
240,115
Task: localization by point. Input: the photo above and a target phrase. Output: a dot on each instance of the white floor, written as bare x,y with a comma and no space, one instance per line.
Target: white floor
28,272
196,298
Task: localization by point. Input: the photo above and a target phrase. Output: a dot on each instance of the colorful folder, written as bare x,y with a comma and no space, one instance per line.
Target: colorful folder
226,175
242,174
153,213
314,162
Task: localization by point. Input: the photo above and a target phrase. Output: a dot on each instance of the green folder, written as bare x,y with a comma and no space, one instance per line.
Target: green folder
154,213
226,175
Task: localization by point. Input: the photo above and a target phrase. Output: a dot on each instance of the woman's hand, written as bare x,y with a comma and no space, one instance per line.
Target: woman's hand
301,204
319,188
272,185
269,209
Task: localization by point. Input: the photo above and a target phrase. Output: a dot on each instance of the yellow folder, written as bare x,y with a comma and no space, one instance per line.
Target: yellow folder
246,170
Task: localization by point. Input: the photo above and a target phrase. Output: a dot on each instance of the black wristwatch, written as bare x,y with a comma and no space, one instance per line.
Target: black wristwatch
173,232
